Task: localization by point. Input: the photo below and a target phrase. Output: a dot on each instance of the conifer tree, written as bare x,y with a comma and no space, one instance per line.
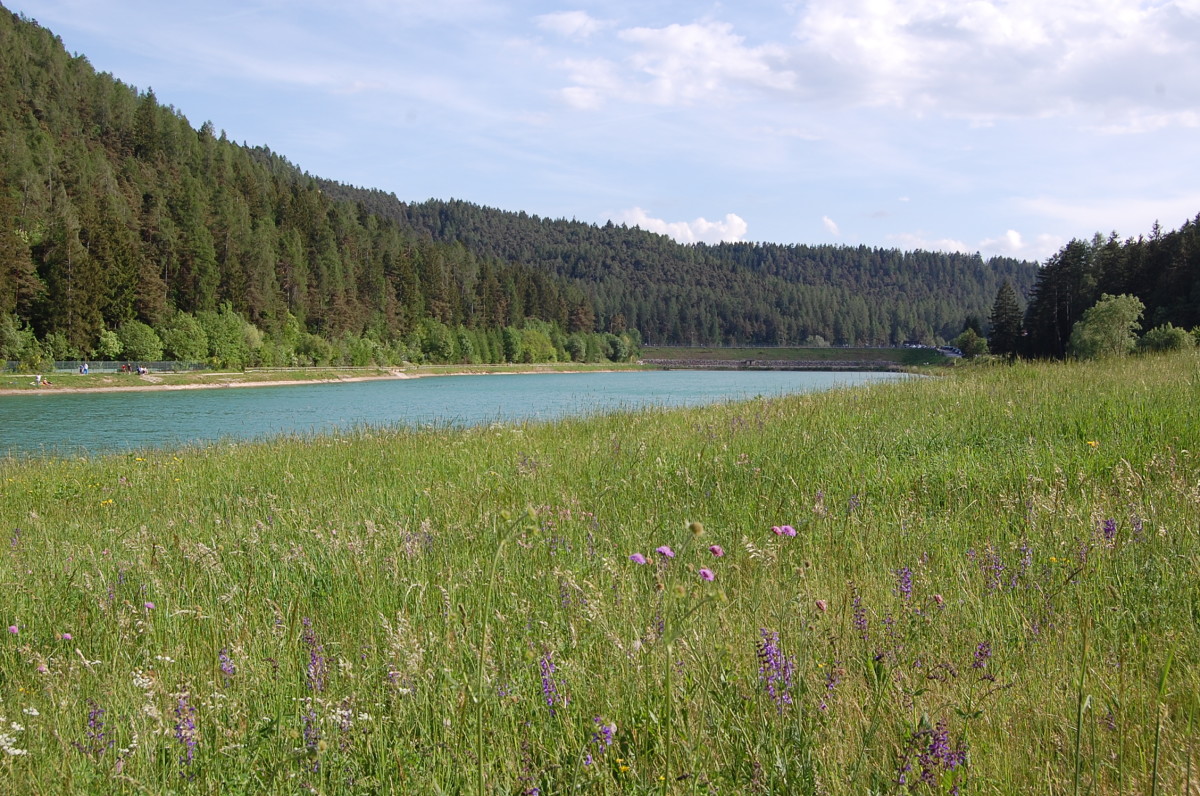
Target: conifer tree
1005,321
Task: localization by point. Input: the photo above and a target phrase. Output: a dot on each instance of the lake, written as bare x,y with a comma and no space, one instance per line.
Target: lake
91,423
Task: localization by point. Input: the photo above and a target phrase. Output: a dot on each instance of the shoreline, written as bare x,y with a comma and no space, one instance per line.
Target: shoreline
152,386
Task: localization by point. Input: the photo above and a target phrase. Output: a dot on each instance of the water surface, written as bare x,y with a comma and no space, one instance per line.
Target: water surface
102,422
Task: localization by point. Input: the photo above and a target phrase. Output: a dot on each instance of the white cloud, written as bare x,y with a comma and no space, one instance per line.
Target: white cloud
1129,216
996,58
831,226
1011,244
910,241
731,228
1128,65
680,64
571,24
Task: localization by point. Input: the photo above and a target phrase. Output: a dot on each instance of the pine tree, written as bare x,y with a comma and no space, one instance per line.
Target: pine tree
1005,320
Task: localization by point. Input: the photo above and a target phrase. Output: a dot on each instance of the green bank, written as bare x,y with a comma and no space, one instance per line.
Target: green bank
984,581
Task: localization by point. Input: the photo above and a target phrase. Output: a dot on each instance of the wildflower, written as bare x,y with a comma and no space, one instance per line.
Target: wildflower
602,738
66,636
638,558
13,629
185,729
227,667
707,574
717,550
549,686
95,741
783,530
860,613
149,606
317,666
1109,529
982,653
939,599
665,551
775,669
822,606
904,585
1093,443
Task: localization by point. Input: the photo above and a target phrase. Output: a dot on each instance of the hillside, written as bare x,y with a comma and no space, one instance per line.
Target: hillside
731,293
116,214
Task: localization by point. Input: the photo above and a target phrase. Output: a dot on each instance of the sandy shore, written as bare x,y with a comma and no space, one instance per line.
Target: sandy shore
154,383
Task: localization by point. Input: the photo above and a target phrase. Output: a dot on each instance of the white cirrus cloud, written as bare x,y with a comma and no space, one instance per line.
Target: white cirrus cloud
732,228
830,226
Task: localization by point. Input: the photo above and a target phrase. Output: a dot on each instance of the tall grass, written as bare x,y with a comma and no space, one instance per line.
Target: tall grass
992,588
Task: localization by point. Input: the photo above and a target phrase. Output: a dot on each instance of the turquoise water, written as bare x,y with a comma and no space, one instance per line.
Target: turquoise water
94,423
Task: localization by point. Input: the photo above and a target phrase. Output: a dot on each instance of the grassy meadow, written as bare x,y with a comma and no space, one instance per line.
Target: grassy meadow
986,582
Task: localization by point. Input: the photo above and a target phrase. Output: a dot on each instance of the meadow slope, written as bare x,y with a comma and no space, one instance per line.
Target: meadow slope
979,583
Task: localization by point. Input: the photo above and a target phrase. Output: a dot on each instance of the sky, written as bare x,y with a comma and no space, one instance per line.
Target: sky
992,126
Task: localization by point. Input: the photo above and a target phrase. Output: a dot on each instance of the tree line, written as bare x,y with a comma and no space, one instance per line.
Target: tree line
729,293
1094,297
123,228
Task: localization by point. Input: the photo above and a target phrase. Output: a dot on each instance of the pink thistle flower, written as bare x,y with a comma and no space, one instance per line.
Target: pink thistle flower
43,669
777,530
717,550
822,606
707,574
939,599
14,629
665,551
66,636
638,558
149,606
788,530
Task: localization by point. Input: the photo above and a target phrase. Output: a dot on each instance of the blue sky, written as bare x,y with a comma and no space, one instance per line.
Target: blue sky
970,125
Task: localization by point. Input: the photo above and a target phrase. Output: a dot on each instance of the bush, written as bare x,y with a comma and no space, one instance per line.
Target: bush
184,338
139,341
1167,337
1107,328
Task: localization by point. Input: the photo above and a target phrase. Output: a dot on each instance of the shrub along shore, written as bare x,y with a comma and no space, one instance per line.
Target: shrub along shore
982,583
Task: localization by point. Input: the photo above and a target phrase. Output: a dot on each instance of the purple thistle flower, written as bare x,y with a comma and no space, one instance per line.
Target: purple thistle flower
707,574
788,530
14,629
717,550
775,669
638,558
665,551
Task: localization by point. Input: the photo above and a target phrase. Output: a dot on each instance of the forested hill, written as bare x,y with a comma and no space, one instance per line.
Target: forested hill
122,223
731,292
